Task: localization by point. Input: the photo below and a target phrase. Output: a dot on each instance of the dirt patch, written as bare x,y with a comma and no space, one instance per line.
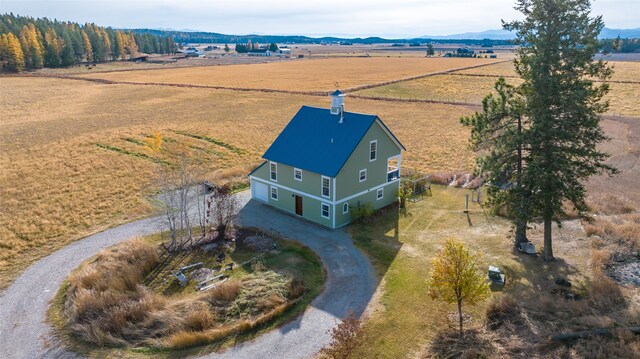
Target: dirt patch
260,243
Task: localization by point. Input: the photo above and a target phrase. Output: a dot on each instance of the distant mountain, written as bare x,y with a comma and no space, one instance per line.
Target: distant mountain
606,33
488,34
497,37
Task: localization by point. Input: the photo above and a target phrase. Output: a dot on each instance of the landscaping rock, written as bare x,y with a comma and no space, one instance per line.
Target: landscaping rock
563,282
201,274
260,243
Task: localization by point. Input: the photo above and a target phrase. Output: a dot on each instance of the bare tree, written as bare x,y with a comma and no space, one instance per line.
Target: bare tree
222,208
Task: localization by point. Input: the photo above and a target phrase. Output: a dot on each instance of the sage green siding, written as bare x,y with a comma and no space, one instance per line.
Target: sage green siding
288,187
347,181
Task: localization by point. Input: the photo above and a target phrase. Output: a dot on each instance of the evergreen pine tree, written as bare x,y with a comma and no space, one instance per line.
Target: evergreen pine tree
558,41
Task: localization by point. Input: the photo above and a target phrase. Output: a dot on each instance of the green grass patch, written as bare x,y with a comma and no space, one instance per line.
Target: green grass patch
134,154
400,248
220,143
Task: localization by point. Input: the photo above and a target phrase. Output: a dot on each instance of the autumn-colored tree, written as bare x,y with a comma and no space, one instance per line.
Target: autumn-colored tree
87,46
154,142
31,42
456,277
346,337
11,55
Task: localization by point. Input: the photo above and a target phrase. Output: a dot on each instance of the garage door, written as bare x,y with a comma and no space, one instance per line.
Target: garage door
260,191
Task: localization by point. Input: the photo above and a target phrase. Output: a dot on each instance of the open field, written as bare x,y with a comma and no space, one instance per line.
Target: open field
478,82
70,170
470,89
623,70
299,75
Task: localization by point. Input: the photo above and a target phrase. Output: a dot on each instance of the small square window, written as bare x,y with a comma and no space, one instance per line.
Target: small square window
297,174
345,208
363,175
380,193
325,211
274,193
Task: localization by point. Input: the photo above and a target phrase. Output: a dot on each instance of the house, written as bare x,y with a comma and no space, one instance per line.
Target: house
328,161
259,52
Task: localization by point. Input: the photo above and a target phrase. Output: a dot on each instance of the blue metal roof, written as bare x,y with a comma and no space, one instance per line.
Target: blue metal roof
316,141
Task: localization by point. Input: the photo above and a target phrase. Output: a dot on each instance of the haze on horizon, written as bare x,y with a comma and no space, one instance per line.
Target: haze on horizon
364,18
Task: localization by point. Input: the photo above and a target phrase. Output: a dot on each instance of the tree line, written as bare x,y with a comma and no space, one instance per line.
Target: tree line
34,43
244,48
620,45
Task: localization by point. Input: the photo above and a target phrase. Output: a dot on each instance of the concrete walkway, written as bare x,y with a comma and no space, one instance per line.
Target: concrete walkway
350,285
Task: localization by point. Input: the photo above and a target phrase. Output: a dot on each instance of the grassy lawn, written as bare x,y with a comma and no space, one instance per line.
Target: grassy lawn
403,318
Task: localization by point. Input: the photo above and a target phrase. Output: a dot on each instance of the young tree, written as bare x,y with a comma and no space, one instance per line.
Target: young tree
499,131
558,40
455,276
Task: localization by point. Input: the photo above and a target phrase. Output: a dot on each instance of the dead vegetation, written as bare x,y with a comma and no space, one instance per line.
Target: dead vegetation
106,304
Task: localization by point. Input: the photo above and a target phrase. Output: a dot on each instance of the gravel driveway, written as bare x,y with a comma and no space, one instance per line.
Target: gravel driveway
350,285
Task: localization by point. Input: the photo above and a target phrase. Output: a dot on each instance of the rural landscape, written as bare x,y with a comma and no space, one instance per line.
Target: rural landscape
132,223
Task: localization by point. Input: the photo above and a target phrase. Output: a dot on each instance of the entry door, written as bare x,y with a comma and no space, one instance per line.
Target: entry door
298,205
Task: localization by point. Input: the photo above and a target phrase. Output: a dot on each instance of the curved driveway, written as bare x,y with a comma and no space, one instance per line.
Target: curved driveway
349,286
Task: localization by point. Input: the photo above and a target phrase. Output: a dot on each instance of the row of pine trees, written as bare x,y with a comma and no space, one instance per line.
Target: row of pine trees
33,43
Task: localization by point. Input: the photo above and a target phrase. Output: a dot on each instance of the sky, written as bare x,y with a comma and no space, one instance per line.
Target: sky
349,18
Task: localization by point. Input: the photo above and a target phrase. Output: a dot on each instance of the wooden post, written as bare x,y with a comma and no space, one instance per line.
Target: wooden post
466,204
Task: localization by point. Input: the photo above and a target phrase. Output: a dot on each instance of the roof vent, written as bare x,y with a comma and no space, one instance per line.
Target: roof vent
337,103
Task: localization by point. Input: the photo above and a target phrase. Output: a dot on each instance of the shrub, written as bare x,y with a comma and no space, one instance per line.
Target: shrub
346,337
502,310
362,212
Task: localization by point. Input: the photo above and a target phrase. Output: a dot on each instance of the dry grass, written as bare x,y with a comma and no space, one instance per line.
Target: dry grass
303,75
106,304
57,185
453,88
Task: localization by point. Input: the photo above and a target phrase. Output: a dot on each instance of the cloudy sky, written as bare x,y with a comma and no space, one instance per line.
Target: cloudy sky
386,18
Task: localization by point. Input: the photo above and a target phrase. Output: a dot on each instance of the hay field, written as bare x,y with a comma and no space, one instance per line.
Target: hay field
470,89
623,70
72,160
299,75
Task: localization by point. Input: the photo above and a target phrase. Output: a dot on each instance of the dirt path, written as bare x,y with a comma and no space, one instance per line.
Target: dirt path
349,286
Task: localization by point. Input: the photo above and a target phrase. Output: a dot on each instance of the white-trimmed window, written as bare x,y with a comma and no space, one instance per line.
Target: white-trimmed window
380,193
345,208
362,176
274,171
325,210
326,187
274,193
373,150
297,174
